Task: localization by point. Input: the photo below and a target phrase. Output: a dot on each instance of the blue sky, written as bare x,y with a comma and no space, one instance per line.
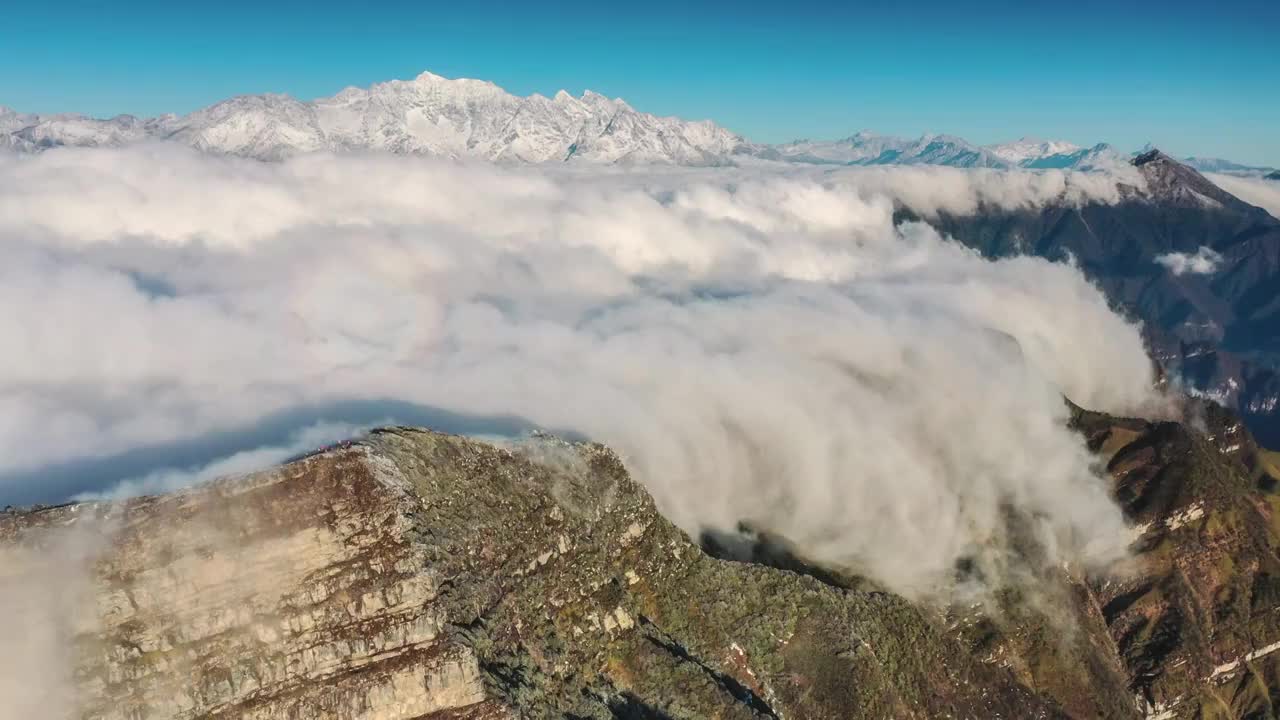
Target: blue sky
1194,77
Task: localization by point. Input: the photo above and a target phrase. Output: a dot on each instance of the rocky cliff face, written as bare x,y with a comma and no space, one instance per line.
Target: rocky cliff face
1197,618
419,575
292,594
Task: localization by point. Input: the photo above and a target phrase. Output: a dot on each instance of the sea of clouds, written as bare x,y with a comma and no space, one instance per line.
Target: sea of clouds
1255,191
761,346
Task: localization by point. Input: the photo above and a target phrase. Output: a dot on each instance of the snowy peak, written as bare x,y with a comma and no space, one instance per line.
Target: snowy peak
11,120
947,150
1029,149
861,149
866,148
1098,157
453,86
428,115
1177,184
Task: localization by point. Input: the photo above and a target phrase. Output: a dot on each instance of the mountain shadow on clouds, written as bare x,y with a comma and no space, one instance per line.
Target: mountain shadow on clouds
60,482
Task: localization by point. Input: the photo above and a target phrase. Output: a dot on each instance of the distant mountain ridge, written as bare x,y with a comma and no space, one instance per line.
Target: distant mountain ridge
463,118
429,115
866,148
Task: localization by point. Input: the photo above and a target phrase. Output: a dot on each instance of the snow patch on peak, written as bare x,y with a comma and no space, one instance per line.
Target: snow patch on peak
1030,149
590,97
429,78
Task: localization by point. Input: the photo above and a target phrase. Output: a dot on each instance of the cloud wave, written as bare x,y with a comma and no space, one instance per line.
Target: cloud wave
761,346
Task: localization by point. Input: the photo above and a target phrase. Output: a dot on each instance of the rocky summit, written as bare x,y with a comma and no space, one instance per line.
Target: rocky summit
421,575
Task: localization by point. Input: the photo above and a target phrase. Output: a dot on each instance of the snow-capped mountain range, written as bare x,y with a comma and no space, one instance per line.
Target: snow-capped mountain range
866,148
1031,149
432,115
429,115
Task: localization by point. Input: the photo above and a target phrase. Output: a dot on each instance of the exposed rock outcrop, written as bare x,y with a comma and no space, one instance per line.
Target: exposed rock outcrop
420,575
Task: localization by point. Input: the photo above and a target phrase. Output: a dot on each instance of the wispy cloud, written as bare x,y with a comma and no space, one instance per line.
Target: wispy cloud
1202,262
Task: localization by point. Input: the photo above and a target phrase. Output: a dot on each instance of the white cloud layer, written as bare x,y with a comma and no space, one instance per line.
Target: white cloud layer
1203,262
1255,191
765,346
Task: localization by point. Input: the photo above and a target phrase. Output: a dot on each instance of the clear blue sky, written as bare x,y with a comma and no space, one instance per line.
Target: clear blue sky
1194,77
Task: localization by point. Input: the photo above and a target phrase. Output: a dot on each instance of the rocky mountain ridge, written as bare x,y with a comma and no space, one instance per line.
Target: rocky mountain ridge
1176,183
419,575
1212,323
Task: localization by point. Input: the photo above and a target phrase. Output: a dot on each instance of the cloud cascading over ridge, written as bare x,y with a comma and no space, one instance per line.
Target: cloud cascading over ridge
758,346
